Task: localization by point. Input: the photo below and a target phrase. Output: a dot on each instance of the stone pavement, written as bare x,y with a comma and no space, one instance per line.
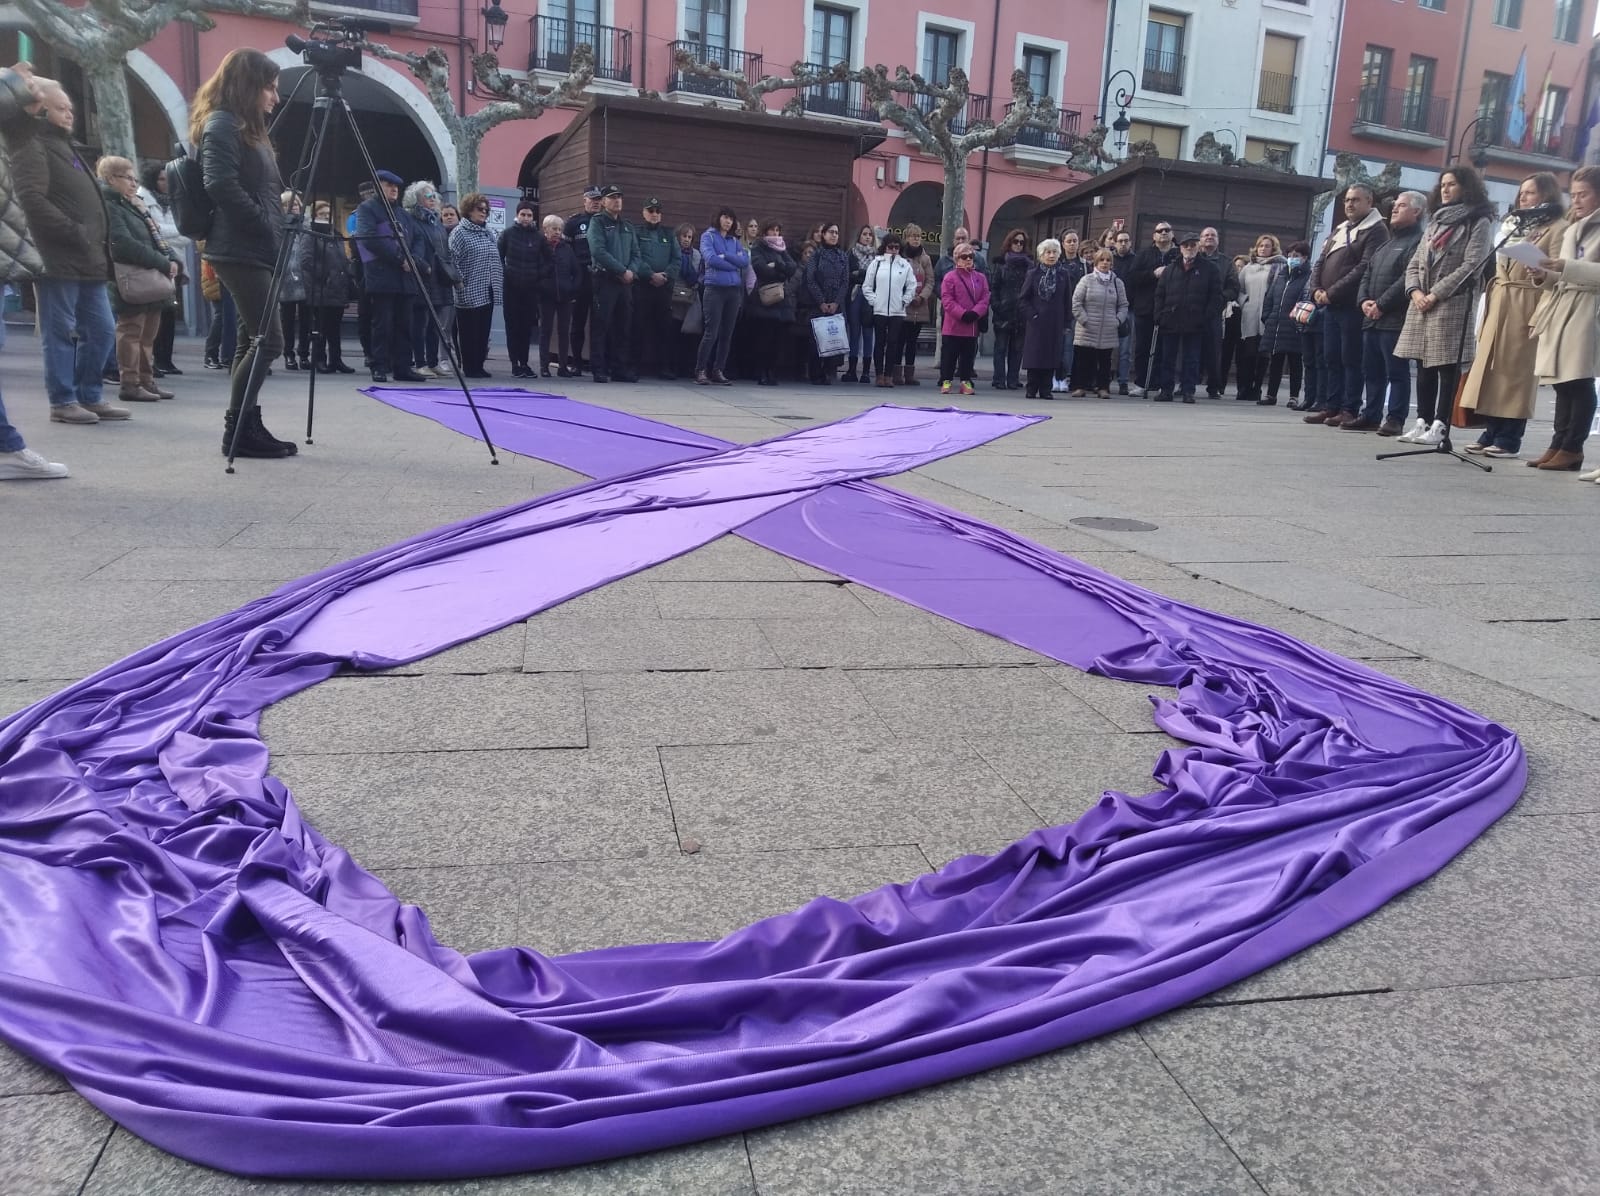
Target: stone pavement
813,737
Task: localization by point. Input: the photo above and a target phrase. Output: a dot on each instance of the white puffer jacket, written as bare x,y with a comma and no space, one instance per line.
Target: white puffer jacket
890,285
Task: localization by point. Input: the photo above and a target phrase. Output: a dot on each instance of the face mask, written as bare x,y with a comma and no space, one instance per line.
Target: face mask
1296,262
321,224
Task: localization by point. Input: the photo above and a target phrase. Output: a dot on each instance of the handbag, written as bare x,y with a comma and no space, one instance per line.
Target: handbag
694,320
1124,327
831,336
683,297
140,285
1305,313
771,294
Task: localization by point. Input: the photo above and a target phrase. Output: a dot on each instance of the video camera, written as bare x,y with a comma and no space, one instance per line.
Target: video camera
335,45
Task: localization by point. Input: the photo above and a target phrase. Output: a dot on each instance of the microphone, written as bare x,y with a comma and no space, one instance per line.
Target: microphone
1543,211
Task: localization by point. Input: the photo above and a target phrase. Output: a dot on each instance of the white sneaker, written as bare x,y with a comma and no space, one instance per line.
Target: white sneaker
1589,475
1136,391
1409,436
1433,435
25,463
1058,386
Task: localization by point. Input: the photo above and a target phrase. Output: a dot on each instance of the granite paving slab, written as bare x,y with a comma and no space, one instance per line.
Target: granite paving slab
1563,764
48,1143
558,907
497,652
625,598
428,809
1503,704
616,644
219,564
726,559
787,599
1483,1088
1126,704
21,1076
793,796
737,706
863,643
1063,776
976,702
430,713
1099,1118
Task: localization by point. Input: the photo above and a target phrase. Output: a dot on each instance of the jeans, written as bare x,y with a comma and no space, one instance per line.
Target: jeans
1068,352
424,336
1502,433
254,353
72,371
1341,349
858,322
1385,371
1575,404
719,308
956,355
1008,354
1124,358
1190,346
10,439
223,333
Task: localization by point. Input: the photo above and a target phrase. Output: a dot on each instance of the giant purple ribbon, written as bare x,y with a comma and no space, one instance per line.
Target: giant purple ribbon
217,977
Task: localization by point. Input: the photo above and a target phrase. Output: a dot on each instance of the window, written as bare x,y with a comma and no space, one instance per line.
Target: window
1419,94
1040,67
1163,52
1168,138
1257,149
1275,92
1568,14
585,12
832,35
1548,131
1435,5
708,24
1493,101
1374,100
1508,13
941,54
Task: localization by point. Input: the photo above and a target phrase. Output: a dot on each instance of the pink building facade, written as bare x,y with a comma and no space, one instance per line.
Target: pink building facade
1061,47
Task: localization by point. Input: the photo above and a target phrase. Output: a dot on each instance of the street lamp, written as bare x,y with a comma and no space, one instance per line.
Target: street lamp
1480,155
1124,97
495,21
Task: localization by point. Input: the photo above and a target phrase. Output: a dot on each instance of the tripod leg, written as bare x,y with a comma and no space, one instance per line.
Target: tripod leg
411,263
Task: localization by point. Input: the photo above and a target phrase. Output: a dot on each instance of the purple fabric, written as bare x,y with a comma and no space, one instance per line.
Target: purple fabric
217,977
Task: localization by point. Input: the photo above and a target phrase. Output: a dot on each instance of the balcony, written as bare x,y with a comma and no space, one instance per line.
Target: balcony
977,109
747,64
842,101
1408,117
1163,72
1542,141
1276,93
1044,147
554,39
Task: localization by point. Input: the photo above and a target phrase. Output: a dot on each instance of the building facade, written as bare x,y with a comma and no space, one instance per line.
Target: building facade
1428,82
1253,73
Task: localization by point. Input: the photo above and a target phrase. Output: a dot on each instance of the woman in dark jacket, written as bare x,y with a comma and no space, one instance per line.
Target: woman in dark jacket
559,278
827,285
858,312
325,265
1043,309
134,242
292,289
766,322
228,124
1007,275
519,251
1280,331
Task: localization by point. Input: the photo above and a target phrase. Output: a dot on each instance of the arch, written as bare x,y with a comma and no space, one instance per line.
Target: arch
920,203
527,176
1016,212
857,212
166,93
410,96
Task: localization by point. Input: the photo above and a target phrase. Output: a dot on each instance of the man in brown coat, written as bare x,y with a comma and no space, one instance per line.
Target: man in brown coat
1335,286
59,193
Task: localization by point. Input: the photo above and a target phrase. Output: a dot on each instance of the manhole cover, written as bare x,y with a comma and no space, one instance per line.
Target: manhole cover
1106,524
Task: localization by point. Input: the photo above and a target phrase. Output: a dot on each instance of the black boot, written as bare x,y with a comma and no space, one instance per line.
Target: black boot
250,445
850,373
265,437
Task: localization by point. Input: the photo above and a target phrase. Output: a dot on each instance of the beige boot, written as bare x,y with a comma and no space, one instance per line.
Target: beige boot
133,391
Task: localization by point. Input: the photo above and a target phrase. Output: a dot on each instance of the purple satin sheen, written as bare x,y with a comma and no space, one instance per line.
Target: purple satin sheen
224,982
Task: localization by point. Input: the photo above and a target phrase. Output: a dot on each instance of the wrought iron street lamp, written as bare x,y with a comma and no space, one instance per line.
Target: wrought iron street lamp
1480,155
1124,97
495,21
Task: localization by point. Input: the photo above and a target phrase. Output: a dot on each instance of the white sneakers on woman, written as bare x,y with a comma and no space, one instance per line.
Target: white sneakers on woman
1409,436
1590,475
25,463
1434,434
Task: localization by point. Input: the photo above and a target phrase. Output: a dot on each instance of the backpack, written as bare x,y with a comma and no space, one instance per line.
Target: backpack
186,188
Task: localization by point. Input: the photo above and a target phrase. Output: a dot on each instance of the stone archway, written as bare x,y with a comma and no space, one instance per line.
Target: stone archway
1016,212
921,204
165,93
528,172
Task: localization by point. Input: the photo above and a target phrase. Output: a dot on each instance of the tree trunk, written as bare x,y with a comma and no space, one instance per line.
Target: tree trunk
955,202
108,84
469,143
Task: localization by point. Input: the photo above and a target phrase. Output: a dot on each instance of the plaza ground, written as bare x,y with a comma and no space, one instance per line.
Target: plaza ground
731,733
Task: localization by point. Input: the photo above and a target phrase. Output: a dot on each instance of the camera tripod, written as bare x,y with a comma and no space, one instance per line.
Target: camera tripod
320,130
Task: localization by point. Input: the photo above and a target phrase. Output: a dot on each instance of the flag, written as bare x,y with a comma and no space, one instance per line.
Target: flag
1548,139
1586,139
1516,116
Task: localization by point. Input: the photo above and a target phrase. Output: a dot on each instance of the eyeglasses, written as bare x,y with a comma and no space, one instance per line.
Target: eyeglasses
964,257
1163,230
1019,240
891,249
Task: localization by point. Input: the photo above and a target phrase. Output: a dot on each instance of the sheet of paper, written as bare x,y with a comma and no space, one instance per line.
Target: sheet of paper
1525,252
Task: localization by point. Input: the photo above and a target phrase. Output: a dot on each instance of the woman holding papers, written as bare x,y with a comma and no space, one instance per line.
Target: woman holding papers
1565,323
1502,385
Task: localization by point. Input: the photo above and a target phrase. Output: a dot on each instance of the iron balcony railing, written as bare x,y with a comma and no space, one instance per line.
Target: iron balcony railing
1163,72
1060,137
1550,138
1276,92
741,61
554,39
977,109
393,8
845,100
1410,111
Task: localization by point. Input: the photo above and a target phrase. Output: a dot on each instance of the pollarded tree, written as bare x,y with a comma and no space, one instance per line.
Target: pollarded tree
512,99
932,115
100,34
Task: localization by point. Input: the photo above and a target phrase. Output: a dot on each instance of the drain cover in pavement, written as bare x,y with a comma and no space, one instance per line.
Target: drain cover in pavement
1105,524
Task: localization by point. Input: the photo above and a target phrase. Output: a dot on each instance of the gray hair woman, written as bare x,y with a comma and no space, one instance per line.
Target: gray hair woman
134,242
439,278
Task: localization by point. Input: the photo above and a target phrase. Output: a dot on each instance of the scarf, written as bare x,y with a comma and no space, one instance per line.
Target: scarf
1048,277
1444,224
776,243
1103,276
686,268
1346,232
910,251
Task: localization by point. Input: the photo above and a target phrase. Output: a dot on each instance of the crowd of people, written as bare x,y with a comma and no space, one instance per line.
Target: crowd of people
1386,297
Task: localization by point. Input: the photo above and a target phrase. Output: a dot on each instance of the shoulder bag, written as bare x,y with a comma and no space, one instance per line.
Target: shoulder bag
141,285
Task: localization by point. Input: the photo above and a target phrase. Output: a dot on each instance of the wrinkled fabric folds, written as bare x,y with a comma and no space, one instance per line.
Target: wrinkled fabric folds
212,973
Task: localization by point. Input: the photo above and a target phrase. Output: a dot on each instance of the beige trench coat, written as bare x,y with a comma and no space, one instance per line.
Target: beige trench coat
1502,382
1567,321
1434,338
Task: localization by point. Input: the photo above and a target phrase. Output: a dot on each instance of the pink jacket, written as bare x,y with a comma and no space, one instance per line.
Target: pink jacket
963,290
